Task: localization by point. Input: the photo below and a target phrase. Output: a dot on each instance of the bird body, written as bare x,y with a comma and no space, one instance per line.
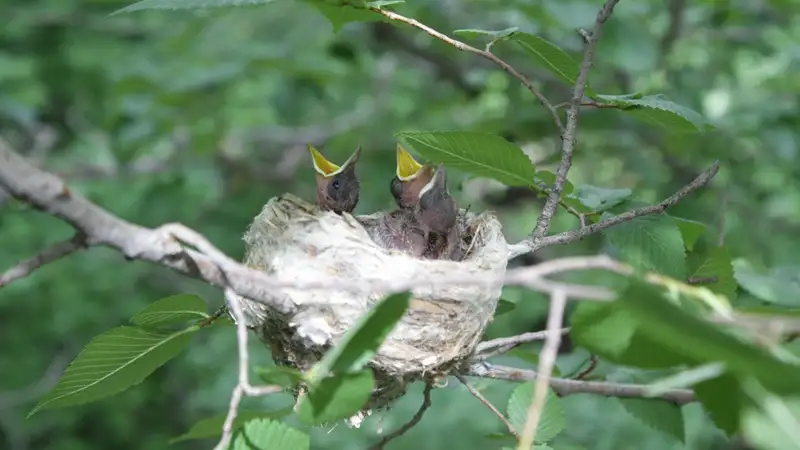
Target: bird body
337,186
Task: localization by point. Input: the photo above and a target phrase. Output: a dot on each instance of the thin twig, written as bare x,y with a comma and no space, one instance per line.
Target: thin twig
530,245
426,403
48,255
483,53
475,393
243,387
506,344
568,137
565,386
593,360
547,360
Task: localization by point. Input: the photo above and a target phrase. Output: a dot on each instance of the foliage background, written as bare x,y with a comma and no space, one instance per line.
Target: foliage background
199,117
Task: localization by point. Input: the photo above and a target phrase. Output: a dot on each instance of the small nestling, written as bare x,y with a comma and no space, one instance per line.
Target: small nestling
437,213
337,187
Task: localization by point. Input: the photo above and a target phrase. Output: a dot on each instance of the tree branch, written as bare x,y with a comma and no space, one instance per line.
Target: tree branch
568,136
506,344
475,393
532,245
563,386
48,255
483,53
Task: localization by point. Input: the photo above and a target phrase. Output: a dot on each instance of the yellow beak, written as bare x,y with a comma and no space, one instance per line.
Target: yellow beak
407,167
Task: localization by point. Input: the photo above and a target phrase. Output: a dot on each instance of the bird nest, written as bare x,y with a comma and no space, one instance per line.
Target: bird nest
296,241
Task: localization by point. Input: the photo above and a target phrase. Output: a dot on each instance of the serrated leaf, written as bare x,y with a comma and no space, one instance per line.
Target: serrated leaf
187,4
599,198
552,420
685,379
650,242
551,57
702,341
469,33
658,415
690,230
723,399
335,398
504,306
660,111
602,328
709,261
482,154
175,309
779,285
212,426
339,15
280,376
261,434
112,362
362,340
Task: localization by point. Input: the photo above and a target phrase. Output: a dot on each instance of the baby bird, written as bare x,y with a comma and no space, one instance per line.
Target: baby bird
337,187
427,212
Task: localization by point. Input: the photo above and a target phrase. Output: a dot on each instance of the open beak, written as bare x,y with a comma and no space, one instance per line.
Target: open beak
438,182
328,169
407,167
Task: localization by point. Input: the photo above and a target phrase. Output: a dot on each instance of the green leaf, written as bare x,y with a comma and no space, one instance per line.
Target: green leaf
470,33
600,199
481,154
650,242
723,399
708,261
690,230
685,379
658,415
551,57
702,341
260,434
176,309
212,426
775,425
187,4
337,397
112,362
504,306
280,376
552,420
660,111
779,285
602,328
339,16
549,178
360,343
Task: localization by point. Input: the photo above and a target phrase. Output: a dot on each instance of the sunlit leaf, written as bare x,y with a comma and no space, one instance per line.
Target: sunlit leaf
660,111
779,285
711,261
112,362
362,340
685,378
280,376
212,426
650,242
258,434
482,154
336,397
690,230
552,420
599,198
171,310
551,57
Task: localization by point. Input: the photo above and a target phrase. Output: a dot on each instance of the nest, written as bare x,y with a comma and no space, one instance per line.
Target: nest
294,240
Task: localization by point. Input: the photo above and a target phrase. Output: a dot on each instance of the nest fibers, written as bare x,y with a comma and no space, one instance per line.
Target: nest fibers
294,240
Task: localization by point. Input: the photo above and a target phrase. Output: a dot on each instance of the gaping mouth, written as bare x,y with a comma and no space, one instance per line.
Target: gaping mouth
407,167
328,169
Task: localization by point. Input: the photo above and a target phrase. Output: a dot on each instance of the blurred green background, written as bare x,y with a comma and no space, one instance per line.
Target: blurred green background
200,117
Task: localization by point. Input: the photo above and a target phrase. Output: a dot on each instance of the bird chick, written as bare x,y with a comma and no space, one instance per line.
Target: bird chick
409,179
337,187
437,214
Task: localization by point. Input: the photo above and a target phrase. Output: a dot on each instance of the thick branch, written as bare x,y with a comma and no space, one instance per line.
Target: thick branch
563,386
568,136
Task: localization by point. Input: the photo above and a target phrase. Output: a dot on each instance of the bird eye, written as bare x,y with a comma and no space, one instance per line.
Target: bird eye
335,184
